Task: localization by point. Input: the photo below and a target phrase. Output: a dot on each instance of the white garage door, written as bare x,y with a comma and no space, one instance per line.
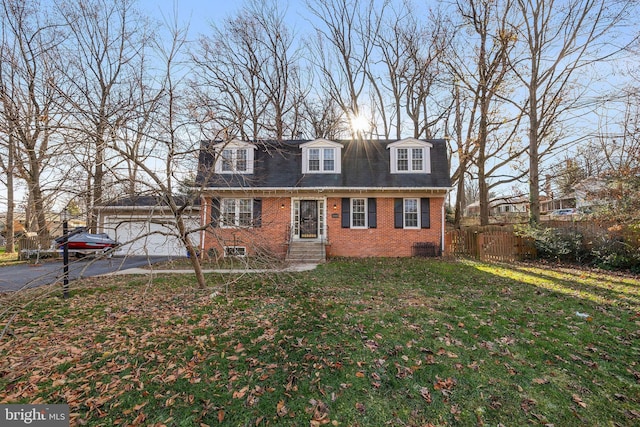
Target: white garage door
140,236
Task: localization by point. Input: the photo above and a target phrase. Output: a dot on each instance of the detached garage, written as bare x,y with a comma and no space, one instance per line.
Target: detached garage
145,226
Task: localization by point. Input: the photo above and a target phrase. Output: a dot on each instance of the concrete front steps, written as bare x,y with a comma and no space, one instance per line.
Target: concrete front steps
301,251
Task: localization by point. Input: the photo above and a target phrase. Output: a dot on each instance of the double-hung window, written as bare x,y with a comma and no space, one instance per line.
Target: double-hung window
236,212
410,216
410,160
234,157
234,160
412,213
358,213
416,159
321,160
328,159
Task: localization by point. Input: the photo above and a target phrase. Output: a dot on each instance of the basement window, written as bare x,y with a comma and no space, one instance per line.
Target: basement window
235,251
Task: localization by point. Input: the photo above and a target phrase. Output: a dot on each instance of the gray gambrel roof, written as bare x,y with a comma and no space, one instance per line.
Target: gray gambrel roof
365,164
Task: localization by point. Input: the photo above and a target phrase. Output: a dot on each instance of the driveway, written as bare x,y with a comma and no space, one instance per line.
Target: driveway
16,277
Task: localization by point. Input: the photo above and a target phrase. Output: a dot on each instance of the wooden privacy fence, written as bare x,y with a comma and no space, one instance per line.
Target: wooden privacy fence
489,245
29,246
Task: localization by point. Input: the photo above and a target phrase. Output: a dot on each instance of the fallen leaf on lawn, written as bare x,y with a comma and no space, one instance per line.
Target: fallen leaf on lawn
446,384
140,406
320,413
240,393
578,400
426,395
540,381
360,407
632,413
474,366
527,404
281,409
360,374
220,415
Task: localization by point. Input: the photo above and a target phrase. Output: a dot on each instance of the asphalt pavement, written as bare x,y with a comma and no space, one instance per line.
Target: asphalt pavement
22,276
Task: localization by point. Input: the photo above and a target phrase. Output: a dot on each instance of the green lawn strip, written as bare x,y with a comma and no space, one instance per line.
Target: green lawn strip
367,342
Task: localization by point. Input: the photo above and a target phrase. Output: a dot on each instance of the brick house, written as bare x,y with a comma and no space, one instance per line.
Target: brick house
301,200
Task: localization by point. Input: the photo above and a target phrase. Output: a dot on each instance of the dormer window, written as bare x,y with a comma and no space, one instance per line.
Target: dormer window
234,160
410,156
322,160
321,156
235,157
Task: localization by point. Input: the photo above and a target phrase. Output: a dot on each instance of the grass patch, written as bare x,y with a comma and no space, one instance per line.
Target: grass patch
225,263
353,343
9,258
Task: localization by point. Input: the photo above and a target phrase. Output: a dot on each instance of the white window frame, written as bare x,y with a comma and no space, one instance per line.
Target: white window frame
416,150
363,212
323,156
234,148
405,212
327,152
411,154
237,212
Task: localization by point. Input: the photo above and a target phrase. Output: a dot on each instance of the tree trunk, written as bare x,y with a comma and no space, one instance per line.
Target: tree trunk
9,229
534,178
98,182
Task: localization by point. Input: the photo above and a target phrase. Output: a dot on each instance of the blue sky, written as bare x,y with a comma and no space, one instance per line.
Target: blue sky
198,13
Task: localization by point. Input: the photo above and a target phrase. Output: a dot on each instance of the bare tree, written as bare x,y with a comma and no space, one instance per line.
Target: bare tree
325,118
7,165
489,139
411,52
158,141
29,70
107,39
342,49
248,76
557,39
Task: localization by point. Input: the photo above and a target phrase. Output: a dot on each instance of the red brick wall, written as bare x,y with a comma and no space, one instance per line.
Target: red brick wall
383,241
270,237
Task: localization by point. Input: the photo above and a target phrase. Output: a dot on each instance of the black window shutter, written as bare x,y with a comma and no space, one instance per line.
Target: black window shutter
346,212
397,213
425,213
257,212
215,212
372,211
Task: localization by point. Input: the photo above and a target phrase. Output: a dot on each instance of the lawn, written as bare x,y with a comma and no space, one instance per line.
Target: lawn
390,342
8,259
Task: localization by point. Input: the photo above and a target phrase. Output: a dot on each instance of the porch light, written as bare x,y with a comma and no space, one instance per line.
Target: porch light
335,206
282,206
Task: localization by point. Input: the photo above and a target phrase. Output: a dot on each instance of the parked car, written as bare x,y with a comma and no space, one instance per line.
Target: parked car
564,212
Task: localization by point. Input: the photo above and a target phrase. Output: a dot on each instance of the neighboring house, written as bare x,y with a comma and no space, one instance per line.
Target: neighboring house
501,206
590,192
557,203
145,226
356,198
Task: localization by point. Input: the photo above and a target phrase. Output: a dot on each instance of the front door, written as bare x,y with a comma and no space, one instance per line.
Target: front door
308,219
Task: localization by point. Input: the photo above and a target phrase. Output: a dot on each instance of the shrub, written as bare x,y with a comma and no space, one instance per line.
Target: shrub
556,244
615,254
